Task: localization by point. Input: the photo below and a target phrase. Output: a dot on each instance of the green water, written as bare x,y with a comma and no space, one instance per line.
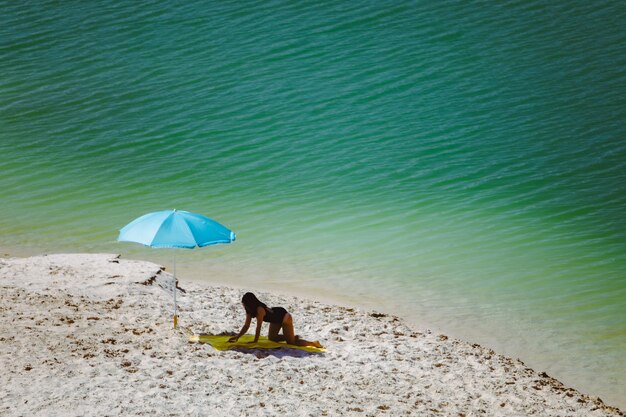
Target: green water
461,164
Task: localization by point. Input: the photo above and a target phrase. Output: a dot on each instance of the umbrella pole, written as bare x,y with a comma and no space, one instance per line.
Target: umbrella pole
175,316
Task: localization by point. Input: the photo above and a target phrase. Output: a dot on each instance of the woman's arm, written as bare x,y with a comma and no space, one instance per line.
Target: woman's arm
260,313
243,330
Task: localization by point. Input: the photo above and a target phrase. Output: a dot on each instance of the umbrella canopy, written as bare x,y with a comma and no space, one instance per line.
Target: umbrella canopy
175,229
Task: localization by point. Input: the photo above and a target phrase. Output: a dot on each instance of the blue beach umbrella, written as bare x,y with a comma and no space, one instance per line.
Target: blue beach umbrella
175,229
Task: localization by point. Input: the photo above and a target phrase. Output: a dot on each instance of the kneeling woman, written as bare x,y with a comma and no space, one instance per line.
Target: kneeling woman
277,317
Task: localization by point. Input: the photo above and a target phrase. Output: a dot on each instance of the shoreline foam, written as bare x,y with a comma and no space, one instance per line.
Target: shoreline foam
91,335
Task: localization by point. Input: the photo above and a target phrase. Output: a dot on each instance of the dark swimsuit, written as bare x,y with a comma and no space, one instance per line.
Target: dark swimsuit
275,315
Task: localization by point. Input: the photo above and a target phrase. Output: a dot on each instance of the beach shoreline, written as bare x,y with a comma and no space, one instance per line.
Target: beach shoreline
91,334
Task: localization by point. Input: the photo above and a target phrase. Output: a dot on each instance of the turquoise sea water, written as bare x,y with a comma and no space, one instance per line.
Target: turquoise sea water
462,164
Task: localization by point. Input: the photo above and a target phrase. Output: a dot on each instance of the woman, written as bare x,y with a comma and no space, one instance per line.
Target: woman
277,317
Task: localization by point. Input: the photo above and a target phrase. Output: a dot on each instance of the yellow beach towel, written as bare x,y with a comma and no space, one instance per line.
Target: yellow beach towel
221,343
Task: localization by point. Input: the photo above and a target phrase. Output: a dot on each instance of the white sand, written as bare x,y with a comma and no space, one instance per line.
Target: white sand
80,335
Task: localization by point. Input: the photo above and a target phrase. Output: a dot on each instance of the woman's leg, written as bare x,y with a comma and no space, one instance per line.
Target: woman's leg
273,333
291,338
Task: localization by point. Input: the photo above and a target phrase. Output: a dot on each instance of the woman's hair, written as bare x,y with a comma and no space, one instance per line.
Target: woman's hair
251,303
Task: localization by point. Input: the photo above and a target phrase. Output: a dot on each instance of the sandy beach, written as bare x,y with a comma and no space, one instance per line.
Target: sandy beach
85,334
